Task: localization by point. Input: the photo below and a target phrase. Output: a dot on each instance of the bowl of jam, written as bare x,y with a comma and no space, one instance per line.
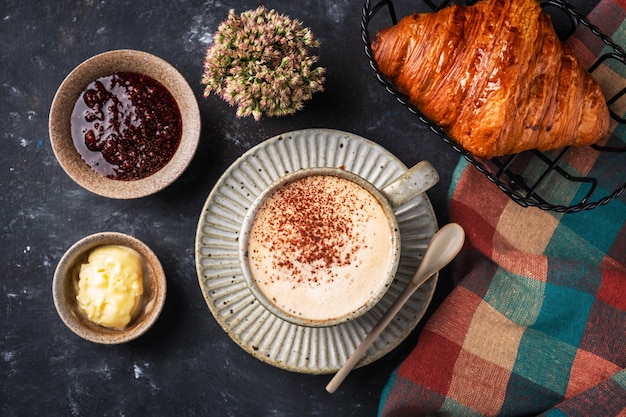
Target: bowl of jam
124,124
109,288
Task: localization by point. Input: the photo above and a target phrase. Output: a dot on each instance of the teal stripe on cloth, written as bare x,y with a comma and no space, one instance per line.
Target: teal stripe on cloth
595,240
581,276
620,378
564,314
544,361
555,413
386,389
516,297
454,408
526,395
461,166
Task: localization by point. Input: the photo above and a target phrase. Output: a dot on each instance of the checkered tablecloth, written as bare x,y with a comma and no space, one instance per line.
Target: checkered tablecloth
536,324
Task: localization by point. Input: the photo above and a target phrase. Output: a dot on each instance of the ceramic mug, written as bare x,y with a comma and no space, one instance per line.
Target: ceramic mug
321,246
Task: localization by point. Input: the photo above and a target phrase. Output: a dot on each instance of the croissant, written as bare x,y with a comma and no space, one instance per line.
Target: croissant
494,76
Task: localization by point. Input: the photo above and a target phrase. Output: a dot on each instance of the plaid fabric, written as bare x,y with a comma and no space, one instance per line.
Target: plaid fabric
537,324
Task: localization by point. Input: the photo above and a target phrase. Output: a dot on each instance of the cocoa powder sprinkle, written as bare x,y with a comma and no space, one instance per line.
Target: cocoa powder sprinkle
310,224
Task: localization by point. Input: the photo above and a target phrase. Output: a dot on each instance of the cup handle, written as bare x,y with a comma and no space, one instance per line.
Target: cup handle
410,184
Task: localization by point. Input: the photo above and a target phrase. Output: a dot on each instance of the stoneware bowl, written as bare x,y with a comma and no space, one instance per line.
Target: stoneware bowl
106,64
65,289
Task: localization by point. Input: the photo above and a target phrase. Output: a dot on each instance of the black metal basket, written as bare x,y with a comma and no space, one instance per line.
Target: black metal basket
507,172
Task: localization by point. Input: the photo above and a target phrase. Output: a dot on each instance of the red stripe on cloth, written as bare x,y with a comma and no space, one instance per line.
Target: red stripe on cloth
454,316
604,334
608,16
616,255
611,289
488,382
474,184
588,369
524,264
580,47
400,401
478,231
582,159
431,363
478,216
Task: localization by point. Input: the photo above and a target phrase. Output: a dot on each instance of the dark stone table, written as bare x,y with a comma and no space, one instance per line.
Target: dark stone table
186,364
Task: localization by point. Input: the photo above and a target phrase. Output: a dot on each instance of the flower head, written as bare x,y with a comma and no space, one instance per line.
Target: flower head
260,62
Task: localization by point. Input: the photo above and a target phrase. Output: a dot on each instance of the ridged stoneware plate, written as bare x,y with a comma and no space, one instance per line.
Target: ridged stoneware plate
282,344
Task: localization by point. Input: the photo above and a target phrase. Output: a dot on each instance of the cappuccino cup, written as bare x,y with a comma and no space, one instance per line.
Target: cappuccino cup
321,246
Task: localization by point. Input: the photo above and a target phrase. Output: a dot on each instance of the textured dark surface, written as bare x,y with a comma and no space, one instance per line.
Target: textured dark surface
186,364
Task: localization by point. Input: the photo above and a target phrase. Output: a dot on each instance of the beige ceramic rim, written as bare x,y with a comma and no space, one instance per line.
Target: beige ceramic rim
105,64
64,289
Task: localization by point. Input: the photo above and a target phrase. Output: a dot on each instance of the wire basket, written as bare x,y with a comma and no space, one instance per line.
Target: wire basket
551,171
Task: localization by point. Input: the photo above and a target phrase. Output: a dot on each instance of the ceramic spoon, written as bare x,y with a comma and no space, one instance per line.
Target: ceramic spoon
444,246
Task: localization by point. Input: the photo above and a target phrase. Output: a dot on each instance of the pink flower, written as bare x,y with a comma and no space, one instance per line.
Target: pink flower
260,62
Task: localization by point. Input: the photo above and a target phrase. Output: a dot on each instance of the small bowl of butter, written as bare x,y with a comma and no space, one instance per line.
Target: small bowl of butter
109,288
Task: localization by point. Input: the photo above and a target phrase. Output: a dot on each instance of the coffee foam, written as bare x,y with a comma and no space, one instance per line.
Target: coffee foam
320,247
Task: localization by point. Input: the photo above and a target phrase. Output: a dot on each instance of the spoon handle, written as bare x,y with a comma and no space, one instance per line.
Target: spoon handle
444,246
369,339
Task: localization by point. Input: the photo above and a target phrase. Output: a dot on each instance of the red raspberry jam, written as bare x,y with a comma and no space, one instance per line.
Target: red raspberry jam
126,126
